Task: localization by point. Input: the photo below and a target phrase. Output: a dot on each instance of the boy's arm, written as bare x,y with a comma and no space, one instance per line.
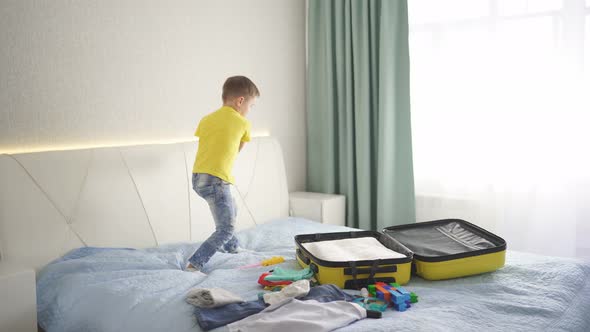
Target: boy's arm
245,137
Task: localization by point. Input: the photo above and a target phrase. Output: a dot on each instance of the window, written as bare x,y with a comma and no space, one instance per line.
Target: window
498,117
520,7
587,48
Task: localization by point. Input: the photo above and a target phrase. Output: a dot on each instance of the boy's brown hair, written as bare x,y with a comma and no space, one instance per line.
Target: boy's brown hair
239,86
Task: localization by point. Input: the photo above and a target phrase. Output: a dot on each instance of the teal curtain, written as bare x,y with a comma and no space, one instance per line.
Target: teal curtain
358,109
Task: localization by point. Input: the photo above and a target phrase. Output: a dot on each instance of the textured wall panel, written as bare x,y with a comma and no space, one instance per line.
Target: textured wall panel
61,175
270,179
160,176
110,212
136,196
32,231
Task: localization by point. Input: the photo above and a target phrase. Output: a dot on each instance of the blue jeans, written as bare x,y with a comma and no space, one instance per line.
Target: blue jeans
223,208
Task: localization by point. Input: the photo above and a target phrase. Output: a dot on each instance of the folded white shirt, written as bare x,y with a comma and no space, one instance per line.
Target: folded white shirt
356,249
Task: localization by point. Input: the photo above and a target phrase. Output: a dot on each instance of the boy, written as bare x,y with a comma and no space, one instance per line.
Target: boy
222,135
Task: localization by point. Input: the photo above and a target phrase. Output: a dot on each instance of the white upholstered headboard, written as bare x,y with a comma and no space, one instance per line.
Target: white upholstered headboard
132,196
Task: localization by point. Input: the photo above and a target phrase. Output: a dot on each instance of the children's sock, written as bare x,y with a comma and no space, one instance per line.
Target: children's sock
191,268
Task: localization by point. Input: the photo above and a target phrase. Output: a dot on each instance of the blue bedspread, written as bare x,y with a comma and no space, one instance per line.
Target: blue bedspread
97,289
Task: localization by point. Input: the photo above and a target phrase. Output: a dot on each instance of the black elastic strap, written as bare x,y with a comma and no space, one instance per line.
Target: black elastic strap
374,269
374,314
354,273
380,269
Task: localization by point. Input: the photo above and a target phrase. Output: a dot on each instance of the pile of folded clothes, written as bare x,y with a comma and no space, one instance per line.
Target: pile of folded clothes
326,307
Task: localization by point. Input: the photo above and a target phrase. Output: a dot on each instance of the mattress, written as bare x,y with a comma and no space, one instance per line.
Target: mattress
113,289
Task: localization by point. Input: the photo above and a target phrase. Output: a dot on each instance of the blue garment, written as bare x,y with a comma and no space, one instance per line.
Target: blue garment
223,207
212,318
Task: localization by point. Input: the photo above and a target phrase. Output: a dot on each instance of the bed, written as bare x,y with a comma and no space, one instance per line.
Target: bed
109,229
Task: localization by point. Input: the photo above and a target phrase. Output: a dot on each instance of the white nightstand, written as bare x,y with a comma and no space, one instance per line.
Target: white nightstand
18,300
325,208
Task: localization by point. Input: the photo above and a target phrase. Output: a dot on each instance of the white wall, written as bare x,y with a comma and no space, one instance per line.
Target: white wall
93,73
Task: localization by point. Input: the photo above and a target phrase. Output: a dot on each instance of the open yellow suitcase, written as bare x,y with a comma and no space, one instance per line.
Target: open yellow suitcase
434,250
355,274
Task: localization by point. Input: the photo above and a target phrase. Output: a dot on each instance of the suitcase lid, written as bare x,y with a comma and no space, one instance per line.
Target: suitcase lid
447,239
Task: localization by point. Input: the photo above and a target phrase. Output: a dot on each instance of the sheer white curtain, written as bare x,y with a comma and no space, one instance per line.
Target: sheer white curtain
501,118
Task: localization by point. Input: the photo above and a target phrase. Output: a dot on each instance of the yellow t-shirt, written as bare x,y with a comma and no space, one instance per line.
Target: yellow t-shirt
220,134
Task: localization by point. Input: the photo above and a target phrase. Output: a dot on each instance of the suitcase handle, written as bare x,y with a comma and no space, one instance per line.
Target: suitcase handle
312,266
304,258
